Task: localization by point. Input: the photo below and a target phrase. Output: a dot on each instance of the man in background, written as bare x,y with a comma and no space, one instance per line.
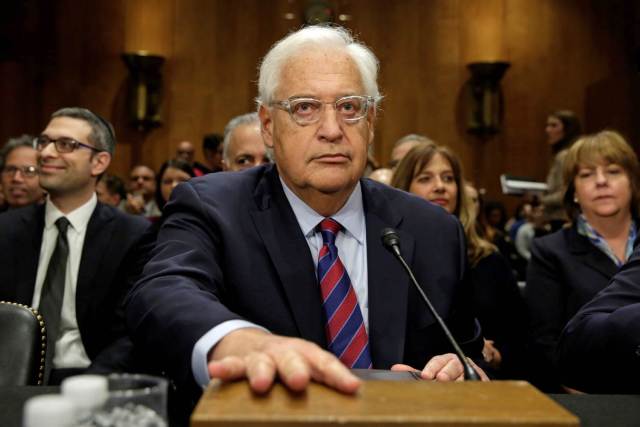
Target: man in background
212,150
142,191
404,145
243,144
111,191
71,257
19,168
187,152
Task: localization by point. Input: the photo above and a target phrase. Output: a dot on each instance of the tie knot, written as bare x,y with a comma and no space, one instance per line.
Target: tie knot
329,228
63,224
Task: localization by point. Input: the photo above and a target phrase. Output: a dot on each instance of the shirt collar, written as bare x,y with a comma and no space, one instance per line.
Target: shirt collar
350,216
78,218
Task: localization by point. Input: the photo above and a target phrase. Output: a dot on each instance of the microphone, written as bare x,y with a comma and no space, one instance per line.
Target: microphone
391,241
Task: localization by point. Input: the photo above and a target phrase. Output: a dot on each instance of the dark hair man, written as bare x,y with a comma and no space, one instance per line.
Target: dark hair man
70,257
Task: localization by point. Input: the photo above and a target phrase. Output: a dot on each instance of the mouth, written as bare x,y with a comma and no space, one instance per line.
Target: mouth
47,168
441,202
17,192
335,158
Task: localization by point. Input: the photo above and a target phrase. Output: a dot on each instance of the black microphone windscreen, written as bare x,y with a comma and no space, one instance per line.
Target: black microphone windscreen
390,238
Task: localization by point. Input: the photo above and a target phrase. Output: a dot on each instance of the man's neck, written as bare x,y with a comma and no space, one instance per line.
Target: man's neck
69,202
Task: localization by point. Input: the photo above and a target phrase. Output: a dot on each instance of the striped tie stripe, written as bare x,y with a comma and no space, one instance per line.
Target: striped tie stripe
346,334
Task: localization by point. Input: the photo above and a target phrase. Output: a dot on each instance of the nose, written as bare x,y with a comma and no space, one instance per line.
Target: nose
18,176
47,151
601,176
330,129
439,184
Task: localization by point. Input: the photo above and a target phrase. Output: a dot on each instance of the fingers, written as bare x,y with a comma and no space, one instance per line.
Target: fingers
227,369
260,371
327,369
293,369
296,362
445,367
402,367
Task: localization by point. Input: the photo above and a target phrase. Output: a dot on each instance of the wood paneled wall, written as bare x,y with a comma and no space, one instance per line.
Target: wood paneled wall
575,54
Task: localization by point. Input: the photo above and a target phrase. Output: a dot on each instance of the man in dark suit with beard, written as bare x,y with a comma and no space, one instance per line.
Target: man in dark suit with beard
279,270
70,257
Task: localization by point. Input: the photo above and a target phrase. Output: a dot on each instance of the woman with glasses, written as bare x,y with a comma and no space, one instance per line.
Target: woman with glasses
434,173
570,266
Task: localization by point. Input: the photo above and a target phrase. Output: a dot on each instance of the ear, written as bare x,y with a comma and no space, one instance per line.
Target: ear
266,125
371,121
99,163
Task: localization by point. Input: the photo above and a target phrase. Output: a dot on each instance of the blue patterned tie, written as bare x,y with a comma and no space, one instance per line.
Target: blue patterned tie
346,334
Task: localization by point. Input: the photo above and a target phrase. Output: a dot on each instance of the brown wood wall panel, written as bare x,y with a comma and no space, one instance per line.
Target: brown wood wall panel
574,54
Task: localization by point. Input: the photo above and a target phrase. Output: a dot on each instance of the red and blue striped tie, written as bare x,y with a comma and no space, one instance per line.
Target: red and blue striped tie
346,334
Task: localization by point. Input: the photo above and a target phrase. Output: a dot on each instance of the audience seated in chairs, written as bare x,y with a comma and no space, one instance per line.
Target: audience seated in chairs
569,267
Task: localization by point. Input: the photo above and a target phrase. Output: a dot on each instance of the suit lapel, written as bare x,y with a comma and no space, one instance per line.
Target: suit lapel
96,243
27,262
388,282
287,247
591,256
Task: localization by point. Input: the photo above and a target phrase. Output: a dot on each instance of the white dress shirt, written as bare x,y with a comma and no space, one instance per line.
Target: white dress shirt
352,250
70,352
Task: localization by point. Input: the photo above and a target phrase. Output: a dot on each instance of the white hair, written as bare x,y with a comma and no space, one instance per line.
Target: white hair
316,36
244,119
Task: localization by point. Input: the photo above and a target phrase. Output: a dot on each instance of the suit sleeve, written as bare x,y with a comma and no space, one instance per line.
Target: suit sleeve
599,351
178,297
545,296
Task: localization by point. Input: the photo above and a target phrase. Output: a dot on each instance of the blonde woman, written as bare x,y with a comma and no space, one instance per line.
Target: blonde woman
570,266
434,173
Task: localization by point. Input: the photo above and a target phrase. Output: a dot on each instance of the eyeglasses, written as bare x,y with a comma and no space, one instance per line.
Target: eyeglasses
306,111
62,144
26,171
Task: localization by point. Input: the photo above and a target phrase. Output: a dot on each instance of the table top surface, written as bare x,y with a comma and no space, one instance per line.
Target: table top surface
593,410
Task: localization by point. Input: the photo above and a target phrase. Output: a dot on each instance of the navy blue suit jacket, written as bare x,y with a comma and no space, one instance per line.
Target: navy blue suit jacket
230,247
109,258
565,272
599,351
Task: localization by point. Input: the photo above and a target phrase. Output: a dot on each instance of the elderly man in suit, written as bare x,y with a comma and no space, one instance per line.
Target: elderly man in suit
70,257
279,270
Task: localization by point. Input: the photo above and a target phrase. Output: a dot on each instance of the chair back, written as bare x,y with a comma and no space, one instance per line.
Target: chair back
22,345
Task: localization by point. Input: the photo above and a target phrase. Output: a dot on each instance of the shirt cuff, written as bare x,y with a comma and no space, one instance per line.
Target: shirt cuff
208,341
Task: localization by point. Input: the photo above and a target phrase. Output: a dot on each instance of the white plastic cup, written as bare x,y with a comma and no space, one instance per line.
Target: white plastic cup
87,392
48,410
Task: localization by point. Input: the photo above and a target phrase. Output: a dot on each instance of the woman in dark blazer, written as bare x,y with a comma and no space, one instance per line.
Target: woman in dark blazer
435,174
569,267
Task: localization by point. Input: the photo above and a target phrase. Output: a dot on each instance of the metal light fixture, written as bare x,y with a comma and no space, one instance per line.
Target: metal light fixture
486,103
144,93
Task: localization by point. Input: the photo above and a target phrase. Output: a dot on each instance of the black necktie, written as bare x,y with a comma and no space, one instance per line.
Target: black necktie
53,292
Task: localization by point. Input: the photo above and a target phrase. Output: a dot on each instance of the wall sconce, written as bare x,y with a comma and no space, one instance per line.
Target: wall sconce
486,100
144,92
